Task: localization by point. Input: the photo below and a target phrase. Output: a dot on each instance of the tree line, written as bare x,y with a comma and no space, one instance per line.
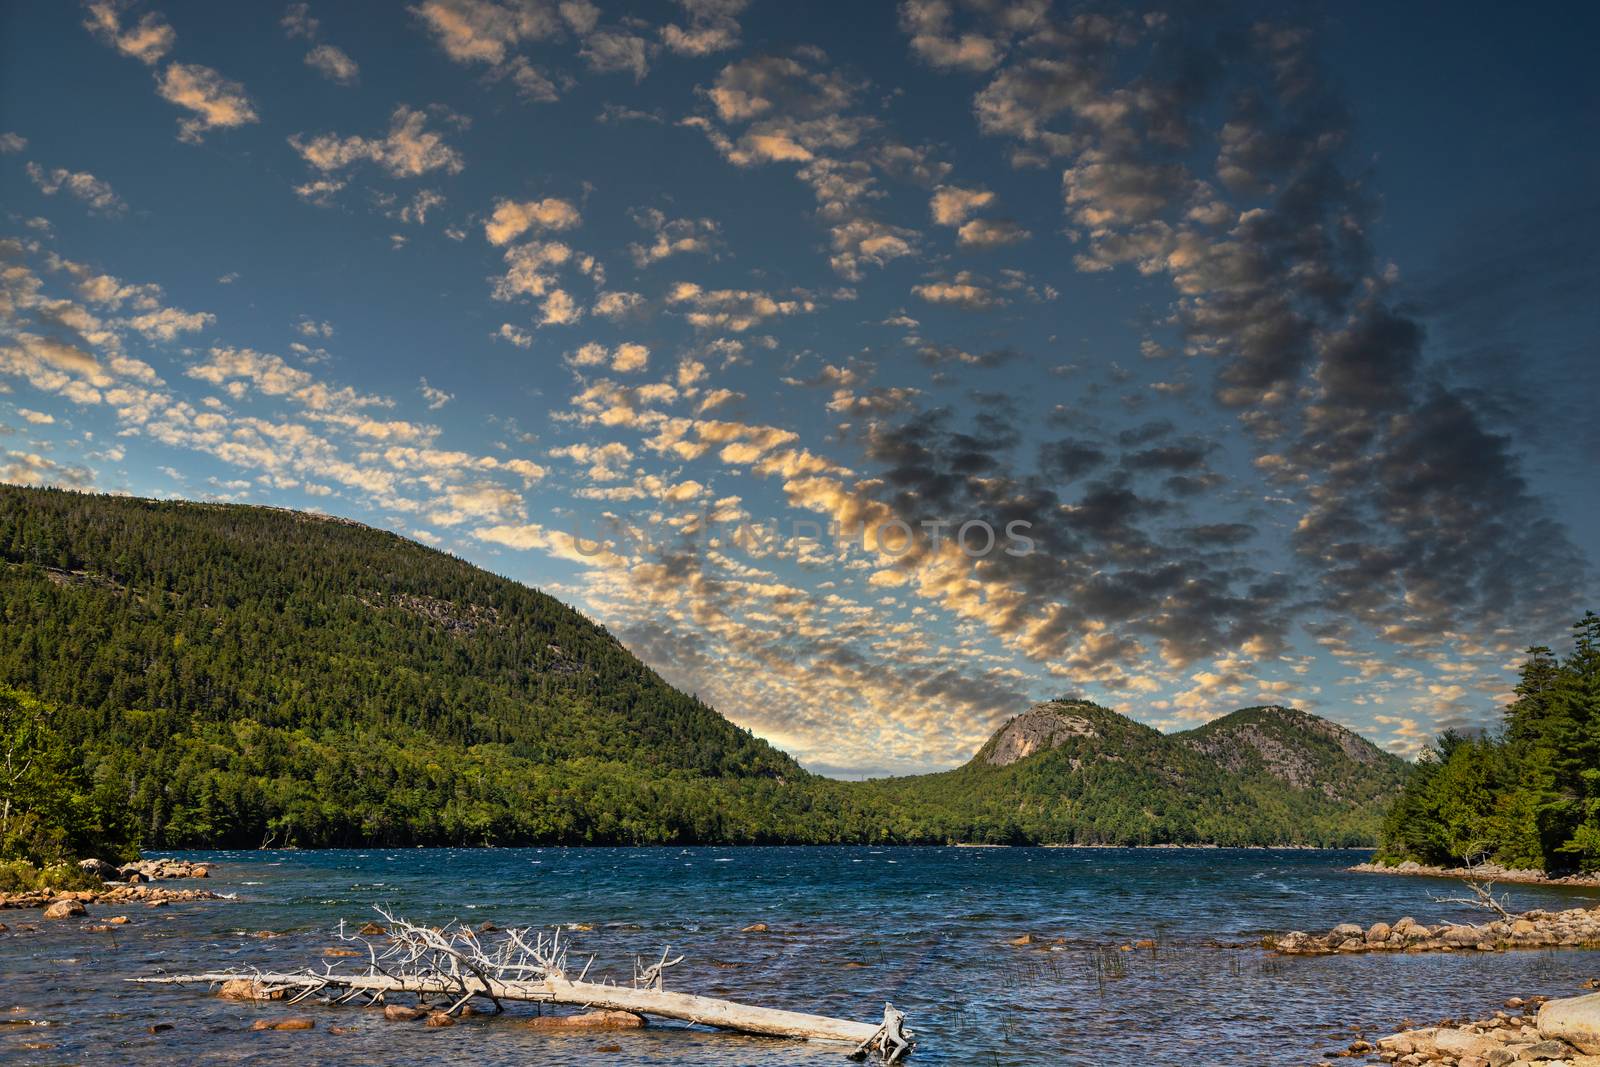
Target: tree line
1526,795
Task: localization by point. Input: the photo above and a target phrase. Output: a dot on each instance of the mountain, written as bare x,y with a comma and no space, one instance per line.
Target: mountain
1070,771
222,675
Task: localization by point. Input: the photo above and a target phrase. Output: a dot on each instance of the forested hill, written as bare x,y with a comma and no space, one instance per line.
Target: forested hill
254,674
184,675
1073,771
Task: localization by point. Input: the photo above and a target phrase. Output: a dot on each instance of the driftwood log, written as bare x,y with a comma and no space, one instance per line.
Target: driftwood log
452,963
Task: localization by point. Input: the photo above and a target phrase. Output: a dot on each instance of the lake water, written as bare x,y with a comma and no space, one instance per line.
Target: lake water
849,928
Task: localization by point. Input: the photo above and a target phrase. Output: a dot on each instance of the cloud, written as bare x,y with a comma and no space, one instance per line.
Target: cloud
990,233
436,398
713,27
928,25
671,237
511,218
408,150
964,294
217,103
736,310
951,206
93,191
30,468
482,31
12,142
147,41
619,306
617,51
626,358
297,21
334,64
166,324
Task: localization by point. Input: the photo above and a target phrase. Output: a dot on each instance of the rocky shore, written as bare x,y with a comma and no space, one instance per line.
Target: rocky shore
1574,928
128,884
1484,872
1536,1030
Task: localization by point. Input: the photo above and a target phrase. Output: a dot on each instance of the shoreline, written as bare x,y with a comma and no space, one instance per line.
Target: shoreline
1411,868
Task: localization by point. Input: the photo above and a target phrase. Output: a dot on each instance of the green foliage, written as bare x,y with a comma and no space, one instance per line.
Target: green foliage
51,809
1529,797
223,676
20,876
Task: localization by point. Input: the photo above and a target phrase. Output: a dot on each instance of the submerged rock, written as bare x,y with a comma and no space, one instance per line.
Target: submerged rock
399,1013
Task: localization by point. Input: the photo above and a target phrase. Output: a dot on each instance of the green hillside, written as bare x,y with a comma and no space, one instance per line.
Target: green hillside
1072,772
231,676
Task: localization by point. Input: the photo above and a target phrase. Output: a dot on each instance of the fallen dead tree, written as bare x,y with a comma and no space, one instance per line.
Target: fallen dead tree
453,964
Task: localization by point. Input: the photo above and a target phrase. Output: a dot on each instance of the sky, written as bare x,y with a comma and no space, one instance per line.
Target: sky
1262,337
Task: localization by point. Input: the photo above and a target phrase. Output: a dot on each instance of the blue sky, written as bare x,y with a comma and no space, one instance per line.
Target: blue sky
1276,326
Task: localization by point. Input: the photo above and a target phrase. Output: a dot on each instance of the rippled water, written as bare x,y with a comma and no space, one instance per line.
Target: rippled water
849,928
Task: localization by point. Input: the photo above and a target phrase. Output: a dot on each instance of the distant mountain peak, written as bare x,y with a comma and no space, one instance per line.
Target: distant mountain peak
1296,747
1050,724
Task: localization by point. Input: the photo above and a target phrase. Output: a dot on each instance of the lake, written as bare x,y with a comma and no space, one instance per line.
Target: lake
849,928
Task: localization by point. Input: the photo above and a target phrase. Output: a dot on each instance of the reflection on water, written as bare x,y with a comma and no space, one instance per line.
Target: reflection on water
928,929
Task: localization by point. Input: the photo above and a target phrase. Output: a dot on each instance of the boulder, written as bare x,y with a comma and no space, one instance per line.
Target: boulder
65,909
590,1020
755,928
371,930
1575,1020
102,870
439,1019
1345,931
1378,932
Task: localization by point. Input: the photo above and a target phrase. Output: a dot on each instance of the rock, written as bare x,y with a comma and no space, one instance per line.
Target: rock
487,928
118,920
755,928
4,928
1409,1042
293,1022
1379,932
1575,1020
1462,936
399,1013
1501,1057
340,952
1023,939
65,909
158,1028
247,989
439,1019
102,870
1344,931
371,930
591,1020
1547,1049
1461,1043
1472,1061
1524,927
199,871
1146,943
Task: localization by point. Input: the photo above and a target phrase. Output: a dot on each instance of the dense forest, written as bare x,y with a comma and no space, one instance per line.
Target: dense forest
183,675
1526,796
